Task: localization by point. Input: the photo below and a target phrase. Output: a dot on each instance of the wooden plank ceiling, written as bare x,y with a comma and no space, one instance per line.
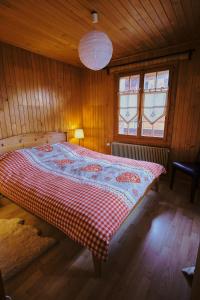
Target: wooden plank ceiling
54,28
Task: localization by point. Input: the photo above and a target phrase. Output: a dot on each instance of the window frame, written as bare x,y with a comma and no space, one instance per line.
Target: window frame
139,139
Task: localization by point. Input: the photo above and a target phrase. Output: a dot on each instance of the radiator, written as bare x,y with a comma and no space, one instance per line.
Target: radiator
154,154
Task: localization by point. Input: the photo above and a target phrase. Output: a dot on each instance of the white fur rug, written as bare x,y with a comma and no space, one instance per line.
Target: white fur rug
19,245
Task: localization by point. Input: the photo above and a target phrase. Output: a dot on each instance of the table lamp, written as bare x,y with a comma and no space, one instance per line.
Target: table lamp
79,134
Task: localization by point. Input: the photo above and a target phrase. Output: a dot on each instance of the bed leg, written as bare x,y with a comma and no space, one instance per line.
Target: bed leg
97,266
157,185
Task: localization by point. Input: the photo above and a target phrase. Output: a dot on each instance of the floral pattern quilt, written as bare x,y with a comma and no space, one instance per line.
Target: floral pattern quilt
85,194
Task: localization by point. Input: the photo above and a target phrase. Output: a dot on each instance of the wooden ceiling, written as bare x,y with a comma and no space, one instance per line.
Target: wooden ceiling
53,28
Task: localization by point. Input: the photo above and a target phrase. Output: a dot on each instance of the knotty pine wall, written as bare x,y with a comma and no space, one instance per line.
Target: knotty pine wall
186,126
98,109
37,94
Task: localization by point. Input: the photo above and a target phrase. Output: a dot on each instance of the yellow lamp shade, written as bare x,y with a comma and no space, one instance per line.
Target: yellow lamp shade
79,133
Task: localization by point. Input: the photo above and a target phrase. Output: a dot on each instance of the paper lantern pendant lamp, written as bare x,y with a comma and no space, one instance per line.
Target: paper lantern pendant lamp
95,48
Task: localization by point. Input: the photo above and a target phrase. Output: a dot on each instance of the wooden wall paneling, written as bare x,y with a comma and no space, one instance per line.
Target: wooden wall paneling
37,96
73,93
3,128
195,115
62,104
42,96
55,96
52,99
34,99
22,70
68,95
21,99
5,120
37,93
28,92
186,137
11,95
177,120
10,90
97,102
8,107
47,92
59,87
15,95
22,73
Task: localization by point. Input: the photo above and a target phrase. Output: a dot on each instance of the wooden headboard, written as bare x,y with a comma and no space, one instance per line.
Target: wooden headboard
31,140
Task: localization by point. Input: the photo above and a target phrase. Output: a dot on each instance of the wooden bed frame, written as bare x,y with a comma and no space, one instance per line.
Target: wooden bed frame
36,139
31,140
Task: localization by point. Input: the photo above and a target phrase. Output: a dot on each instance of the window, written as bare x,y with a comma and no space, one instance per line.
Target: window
129,100
143,105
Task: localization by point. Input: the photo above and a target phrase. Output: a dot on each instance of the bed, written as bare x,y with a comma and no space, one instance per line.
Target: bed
85,194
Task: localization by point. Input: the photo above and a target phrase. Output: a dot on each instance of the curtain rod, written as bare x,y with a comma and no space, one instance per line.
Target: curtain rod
189,52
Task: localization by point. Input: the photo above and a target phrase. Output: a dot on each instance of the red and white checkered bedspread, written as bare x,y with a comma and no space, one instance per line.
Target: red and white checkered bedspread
85,194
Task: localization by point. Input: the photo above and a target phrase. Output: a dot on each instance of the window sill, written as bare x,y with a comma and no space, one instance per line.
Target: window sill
148,141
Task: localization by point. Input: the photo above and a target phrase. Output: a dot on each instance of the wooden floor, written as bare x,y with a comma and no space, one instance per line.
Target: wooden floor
145,262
